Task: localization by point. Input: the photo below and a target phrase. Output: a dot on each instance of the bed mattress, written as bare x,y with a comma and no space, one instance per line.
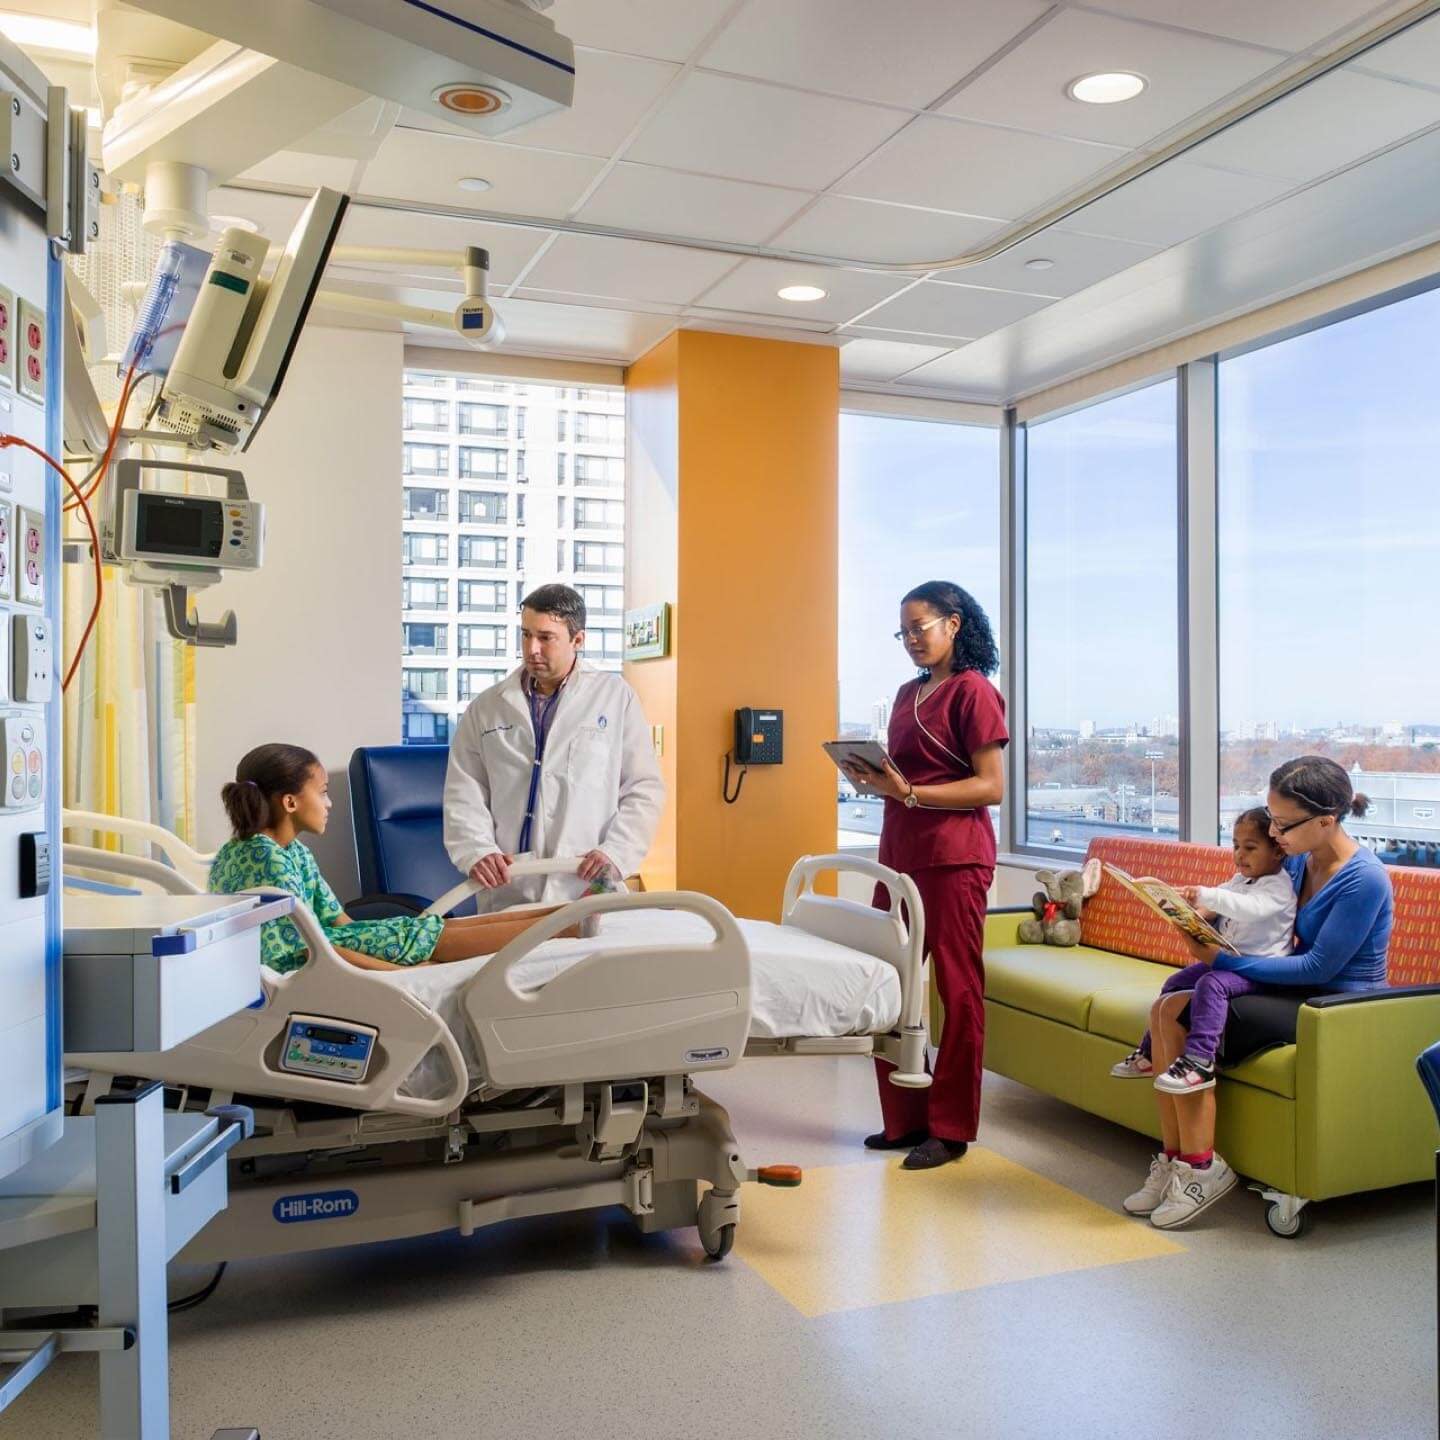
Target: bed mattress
800,985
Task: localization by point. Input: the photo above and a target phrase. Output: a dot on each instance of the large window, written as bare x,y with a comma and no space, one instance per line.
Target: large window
483,507
424,638
483,464
1329,534
592,556
1101,638
483,639
484,596
598,514
426,504
422,414
606,470
483,552
483,419
426,459
919,500
426,549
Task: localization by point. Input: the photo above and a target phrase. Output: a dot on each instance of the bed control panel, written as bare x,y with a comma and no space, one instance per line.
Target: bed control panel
331,1049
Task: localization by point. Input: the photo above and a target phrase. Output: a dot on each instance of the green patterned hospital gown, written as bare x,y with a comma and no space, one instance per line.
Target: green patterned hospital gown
260,861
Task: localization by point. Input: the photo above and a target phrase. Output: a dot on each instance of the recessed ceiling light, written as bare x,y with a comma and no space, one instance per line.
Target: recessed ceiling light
36,32
1039,264
1109,88
801,294
475,182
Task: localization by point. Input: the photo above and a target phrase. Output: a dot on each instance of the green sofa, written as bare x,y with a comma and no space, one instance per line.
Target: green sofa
1338,1111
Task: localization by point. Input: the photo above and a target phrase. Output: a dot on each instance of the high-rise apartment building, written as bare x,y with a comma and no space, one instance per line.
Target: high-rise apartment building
507,486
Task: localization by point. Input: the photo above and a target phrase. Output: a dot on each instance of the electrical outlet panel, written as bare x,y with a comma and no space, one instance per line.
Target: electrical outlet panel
30,351
7,559
29,557
7,338
32,653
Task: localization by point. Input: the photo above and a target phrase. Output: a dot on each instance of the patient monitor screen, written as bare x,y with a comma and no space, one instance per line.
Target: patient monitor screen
179,525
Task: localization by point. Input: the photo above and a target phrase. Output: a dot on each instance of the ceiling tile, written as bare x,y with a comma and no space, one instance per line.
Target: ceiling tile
1175,202
976,169
882,360
1186,74
871,230
1285,24
510,248
627,270
752,288
899,337
427,165
909,54
954,311
758,132
661,29
612,94
1330,123
1412,55
956,371
671,202
1080,261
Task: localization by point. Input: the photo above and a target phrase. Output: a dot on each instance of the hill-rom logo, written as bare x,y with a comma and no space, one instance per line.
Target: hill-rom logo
327,1205
707,1057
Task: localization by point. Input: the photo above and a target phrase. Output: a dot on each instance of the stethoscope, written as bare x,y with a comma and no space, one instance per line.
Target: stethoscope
540,717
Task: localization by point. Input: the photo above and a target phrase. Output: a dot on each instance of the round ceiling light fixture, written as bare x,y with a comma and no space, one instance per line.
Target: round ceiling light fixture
1107,88
472,100
802,294
1039,263
476,183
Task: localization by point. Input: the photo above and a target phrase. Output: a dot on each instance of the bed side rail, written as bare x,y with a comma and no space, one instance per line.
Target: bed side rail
242,1054
87,860
520,869
619,1013
896,935
187,861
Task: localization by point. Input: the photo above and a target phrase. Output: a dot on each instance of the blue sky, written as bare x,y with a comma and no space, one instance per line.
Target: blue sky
1329,533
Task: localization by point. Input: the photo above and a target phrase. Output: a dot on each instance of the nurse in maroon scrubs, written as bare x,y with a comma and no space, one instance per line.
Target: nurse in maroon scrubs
947,735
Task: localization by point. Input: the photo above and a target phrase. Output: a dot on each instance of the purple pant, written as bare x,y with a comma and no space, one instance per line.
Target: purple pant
1209,1005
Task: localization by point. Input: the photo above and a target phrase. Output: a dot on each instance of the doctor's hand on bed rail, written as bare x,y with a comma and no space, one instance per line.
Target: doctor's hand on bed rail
492,871
597,865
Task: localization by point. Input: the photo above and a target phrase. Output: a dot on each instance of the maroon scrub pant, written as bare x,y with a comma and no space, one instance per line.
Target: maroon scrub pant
955,898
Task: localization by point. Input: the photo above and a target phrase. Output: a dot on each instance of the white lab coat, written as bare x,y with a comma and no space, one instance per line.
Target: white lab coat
600,787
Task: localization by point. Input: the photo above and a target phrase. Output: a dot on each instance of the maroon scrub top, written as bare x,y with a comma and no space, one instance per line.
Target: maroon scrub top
966,713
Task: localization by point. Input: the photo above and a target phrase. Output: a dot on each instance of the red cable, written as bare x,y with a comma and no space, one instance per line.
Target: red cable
110,443
5,442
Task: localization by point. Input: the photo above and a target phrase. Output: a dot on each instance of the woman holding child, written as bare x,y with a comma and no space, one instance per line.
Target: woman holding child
1342,916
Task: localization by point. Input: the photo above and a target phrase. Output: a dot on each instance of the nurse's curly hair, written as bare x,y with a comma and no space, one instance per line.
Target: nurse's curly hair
975,647
261,778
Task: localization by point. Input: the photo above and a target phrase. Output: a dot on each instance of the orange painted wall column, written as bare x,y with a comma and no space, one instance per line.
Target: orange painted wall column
732,518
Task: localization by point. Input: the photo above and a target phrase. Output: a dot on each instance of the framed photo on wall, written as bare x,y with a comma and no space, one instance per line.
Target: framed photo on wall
647,632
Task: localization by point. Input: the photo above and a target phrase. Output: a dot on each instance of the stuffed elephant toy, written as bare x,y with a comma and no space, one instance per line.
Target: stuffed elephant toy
1057,910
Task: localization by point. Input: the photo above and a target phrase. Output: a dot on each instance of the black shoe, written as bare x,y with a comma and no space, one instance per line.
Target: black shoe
934,1152
881,1141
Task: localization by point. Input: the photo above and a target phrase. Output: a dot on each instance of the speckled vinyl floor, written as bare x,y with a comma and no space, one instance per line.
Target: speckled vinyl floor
1004,1298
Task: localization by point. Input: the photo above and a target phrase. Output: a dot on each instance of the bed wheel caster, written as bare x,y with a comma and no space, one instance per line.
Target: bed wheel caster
1286,1224
716,1223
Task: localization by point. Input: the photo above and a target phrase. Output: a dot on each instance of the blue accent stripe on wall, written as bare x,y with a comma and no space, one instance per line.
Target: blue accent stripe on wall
490,35
54,711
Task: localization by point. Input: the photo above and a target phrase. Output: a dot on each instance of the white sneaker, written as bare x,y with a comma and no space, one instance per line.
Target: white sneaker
1137,1065
1148,1197
1191,1192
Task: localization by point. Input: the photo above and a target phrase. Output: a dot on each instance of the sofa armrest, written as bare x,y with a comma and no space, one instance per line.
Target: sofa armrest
1002,924
1369,997
1362,1120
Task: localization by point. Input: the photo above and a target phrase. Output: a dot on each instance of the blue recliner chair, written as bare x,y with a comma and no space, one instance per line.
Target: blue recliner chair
397,800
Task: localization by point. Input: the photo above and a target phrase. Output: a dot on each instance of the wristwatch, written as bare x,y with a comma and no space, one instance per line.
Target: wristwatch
912,799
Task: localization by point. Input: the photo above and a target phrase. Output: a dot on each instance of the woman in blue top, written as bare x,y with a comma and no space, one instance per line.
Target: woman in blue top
1342,931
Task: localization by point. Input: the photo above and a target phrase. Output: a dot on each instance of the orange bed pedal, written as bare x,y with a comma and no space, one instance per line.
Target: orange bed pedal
784,1175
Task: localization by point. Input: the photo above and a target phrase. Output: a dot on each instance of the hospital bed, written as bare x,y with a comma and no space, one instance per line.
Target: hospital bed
558,1074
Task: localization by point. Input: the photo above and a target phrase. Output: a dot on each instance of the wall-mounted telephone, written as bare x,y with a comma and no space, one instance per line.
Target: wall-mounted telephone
759,740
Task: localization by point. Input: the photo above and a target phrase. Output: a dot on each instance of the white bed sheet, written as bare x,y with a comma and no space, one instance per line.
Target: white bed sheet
801,985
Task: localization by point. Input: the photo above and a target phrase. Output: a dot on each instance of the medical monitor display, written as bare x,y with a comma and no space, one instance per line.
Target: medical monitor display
179,525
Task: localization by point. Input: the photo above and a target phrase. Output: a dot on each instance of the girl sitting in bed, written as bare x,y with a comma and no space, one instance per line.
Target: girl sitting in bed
281,792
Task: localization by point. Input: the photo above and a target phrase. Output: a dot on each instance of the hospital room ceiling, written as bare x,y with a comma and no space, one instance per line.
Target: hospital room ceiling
902,135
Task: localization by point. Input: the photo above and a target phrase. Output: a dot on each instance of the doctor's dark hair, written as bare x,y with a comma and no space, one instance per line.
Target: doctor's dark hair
1320,785
560,601
261,778
975,644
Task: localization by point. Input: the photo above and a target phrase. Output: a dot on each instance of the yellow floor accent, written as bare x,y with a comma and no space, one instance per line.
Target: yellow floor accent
867,1234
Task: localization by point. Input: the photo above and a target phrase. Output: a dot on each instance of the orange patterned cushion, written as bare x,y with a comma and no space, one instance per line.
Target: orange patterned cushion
1414,957
1115,920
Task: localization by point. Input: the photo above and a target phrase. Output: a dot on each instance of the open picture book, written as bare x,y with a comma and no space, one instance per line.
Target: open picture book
1165,900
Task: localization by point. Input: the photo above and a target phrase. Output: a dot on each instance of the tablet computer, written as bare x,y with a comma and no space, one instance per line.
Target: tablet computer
872,752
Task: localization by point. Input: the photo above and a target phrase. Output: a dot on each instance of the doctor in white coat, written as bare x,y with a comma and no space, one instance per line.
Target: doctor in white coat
556,759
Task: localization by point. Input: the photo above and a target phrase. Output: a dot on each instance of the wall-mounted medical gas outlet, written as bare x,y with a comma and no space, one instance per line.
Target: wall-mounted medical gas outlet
29,557
7,338
32,653
22,749
7,565
30,351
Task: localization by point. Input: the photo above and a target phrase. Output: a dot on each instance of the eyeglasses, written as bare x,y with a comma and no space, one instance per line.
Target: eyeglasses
917,632
1282,829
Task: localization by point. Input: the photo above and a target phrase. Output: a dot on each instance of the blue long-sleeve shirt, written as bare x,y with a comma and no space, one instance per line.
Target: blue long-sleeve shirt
1341,932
